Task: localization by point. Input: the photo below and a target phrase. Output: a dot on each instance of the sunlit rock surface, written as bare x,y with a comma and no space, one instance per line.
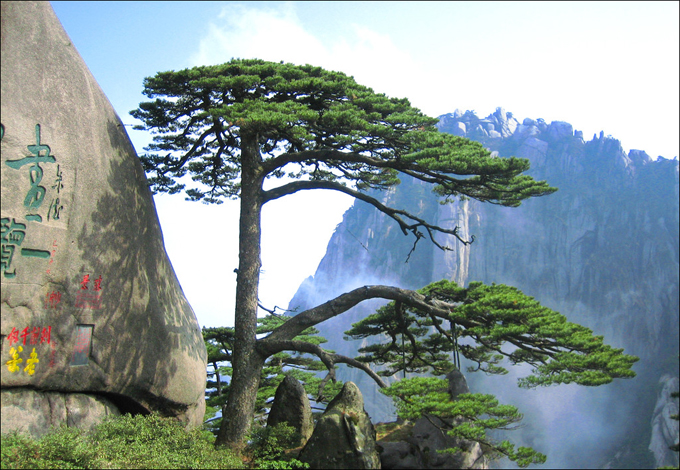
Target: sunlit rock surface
291,406
344,436
90,303
603,251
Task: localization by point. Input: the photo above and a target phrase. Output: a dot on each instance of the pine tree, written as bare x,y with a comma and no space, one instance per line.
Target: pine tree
502,324
486,325
223,131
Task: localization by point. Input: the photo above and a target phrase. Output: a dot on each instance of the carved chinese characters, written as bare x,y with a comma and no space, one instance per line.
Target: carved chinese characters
13,234
36,193
35,165
13,230
90,293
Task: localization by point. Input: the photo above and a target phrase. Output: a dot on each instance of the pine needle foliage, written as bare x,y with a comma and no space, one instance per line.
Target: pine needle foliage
468,417
486,325
303,367
312,124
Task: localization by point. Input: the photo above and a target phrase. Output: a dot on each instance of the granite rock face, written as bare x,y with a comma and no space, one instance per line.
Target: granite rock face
428,436
51,409
90,303
291,406
344,436
664,427
398,455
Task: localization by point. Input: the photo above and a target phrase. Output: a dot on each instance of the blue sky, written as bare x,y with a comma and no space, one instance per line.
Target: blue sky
602,66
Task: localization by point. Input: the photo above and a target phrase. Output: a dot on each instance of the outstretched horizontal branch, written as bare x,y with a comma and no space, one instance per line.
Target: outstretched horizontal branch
344,302
471,172
493,317
407,166
396,214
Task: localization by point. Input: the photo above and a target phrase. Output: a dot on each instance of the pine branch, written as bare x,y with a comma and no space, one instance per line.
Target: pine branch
397,215
268,347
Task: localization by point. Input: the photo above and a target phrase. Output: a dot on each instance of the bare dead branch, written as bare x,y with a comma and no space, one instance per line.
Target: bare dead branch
397,215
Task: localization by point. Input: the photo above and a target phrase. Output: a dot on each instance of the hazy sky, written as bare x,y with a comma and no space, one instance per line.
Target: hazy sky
609,66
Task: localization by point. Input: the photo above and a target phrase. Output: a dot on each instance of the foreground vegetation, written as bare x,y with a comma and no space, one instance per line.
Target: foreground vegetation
121,442
148,442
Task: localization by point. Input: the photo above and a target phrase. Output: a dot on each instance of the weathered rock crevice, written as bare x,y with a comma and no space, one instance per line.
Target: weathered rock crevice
344,436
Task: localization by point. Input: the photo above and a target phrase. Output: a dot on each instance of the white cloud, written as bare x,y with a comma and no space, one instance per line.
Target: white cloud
374,60
268,34
277,34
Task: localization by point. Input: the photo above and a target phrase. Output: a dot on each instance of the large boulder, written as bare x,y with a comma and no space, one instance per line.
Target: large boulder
51,409
291,406
344,436
90,303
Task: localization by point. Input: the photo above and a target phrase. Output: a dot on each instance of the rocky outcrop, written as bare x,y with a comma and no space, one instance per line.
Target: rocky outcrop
457,383
344,436
602,250
399,455
90,304
428,436
291,406
665,428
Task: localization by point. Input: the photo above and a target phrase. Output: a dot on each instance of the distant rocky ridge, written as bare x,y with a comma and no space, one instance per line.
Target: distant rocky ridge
603,250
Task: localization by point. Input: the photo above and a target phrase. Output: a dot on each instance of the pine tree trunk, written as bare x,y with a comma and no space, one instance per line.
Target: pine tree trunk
218,379
246,362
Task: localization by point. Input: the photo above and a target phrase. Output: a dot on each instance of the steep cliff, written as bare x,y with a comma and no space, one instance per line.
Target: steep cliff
603,250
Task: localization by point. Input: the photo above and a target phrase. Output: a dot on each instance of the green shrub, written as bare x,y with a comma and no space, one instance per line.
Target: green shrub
291,464
19,451
67,448
61,448
121,442
268,446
